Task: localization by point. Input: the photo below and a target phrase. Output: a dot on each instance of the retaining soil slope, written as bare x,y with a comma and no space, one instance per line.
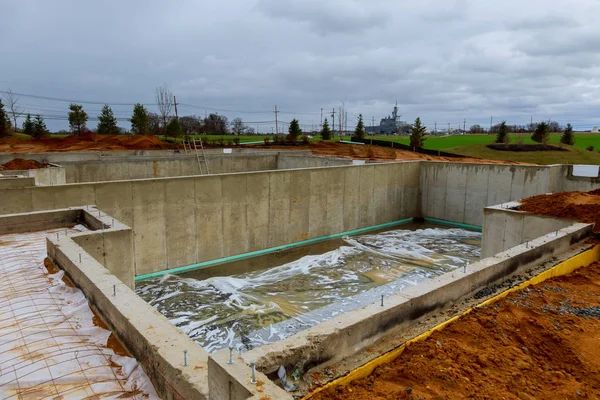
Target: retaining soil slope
537,343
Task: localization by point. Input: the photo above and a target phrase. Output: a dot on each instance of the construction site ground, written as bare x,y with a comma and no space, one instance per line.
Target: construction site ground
94,142
540,342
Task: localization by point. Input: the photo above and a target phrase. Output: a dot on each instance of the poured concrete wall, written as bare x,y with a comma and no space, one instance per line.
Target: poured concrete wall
183,221
115,169
42,176
459,192
504,228
294,161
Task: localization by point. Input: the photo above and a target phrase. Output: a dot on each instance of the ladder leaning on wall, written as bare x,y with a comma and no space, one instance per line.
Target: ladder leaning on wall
197,147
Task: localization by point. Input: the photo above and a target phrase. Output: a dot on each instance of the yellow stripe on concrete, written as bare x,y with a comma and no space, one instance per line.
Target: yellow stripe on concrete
566,267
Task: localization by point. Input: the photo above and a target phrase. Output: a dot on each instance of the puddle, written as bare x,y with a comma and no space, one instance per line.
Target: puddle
274,300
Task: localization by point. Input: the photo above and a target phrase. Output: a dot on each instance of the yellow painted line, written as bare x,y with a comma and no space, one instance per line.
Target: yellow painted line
566,267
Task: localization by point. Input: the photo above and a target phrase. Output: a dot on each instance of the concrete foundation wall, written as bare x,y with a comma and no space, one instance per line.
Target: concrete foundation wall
183,221
115,169
42,176
459,192
13,181
505,228
294,161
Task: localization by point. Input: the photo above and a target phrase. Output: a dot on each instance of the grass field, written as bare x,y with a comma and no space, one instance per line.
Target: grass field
582,141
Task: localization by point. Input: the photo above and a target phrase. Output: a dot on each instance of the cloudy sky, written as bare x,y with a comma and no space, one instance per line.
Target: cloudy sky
442,60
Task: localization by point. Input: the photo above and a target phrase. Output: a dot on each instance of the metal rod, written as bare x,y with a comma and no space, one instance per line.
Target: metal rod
381,300
57,239
230,355
185,358
253,365
114,290
79,258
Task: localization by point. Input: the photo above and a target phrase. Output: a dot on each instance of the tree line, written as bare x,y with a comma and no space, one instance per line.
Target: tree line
540,132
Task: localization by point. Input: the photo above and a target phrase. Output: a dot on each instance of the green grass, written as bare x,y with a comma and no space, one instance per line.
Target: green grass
572,156
21,136
582,141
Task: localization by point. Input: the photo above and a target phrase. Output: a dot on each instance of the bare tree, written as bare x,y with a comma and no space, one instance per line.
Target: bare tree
12,102
164,100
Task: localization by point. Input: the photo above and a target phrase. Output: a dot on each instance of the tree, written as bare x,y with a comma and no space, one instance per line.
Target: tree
154,120
28,125
567,136
294,131
164,99
541,133
359,131
12,102
4,122
325,131
238,127
502,135
476,129
554,127
140,120
39,127
190,124
216,124
107,123
77,119
417,134
173,128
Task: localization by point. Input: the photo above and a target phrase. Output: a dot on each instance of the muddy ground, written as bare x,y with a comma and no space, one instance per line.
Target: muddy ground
580,206
19,164
538,343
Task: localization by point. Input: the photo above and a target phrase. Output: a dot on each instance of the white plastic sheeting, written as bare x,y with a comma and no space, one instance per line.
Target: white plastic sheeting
49,345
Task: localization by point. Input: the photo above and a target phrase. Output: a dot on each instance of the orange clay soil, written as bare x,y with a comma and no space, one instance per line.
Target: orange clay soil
85,142
19,164
581,206
541,342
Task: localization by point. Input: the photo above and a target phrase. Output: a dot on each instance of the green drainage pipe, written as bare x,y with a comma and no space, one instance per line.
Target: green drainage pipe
450,223
244,256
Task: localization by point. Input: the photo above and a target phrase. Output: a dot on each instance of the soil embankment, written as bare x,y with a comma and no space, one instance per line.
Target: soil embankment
20,164
580,206
87,142
538,343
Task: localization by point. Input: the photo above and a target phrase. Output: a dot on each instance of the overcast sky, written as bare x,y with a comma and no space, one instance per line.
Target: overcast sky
442,60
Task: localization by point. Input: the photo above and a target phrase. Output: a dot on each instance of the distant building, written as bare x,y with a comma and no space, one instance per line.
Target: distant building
392,125
595,129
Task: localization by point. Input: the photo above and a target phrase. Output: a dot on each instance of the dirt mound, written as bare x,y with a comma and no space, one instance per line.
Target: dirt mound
537,343
86,142
19,164
580,206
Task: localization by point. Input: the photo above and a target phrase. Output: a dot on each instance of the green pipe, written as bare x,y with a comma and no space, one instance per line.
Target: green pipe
450,223
212,263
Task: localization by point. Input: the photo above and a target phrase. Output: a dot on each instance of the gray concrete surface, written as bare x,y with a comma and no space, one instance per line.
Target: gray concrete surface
42,176
13,181
330,342
294,161
504,227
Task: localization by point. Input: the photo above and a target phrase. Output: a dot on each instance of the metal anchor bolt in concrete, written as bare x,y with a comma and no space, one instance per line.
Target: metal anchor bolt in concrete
185,358
114,290
253,365
79,258
57,239
381,300
230,355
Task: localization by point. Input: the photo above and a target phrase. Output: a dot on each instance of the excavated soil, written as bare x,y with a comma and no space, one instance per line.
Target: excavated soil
19,164
581,206
538,343
87,142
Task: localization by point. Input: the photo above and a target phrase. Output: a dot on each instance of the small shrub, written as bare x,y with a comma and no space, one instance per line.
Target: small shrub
590,148
221,142
305,140
236,141
266,140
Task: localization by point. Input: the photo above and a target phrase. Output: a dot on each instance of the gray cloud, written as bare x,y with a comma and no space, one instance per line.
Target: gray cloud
442,60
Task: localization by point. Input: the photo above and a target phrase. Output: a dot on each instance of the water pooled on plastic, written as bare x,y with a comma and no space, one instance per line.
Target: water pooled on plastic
254,308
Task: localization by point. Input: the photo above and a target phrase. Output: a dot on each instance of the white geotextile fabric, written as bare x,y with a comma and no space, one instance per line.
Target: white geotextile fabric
49,345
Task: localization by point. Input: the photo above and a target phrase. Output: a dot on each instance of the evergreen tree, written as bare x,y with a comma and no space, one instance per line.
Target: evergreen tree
359,131
140,120
107,123
39,127
541,133
294,131
77,119
28,125
325,131
568,137
502,135
174,128
4,122
417,134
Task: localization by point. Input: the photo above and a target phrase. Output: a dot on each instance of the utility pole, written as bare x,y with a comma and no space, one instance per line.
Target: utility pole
491,123
333,122
346,122
448,127
175,104
435,129
321,117
465,125
372,129
276,121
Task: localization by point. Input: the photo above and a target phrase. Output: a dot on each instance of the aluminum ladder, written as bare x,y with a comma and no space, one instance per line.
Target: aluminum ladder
200,157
